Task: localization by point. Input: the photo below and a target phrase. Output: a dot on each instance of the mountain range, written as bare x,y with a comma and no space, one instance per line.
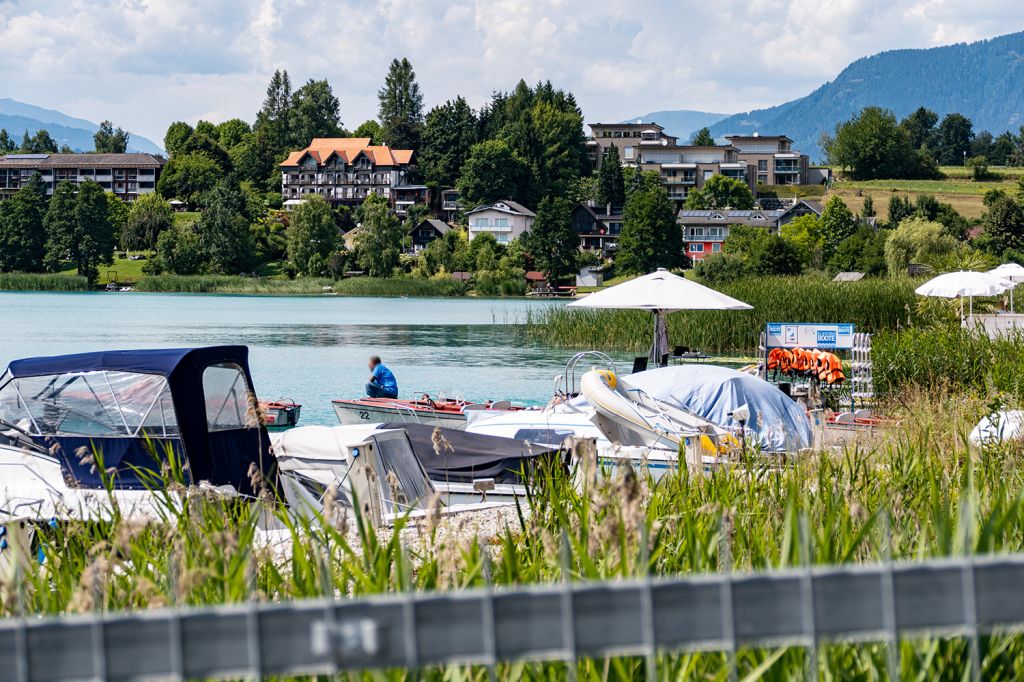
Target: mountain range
682,123
17,117
981,80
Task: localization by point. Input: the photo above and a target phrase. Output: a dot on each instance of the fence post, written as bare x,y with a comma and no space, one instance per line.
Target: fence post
99,643
487,616
177,654
647,606
889,601
21,634
967,585
252,625
807,600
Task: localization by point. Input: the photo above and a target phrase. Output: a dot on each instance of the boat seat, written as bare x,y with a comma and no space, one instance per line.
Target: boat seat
474,406
502,405
639,365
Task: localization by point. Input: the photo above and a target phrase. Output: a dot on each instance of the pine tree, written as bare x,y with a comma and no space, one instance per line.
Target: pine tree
7,145
449,133
60,226
610,185
401,106
110,141
94,238
314,112
552,240
651,238
703,138
273,118
22,235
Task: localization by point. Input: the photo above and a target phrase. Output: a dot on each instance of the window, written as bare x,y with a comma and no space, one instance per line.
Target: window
481,222
501,222
696,248
628,152
762,165
502,238
716,247
227,397
708,174
762,178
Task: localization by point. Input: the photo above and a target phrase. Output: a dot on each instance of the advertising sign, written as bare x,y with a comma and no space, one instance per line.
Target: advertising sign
809,335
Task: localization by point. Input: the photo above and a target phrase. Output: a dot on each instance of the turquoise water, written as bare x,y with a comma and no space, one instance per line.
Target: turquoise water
306,349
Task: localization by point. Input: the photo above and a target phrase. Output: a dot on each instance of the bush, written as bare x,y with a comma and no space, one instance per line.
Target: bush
721,268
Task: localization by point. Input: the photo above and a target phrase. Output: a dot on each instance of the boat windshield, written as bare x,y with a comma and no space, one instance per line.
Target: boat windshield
100,404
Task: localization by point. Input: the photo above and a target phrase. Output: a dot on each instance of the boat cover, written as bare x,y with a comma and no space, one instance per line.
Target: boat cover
472,455
220,454
781,425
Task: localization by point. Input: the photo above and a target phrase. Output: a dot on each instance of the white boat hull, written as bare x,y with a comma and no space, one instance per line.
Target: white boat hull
352,415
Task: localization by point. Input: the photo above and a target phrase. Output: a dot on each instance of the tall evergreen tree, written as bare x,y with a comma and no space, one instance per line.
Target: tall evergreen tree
552,239
449,133
22,234
110,141
273,117
314,112
7,145
94,238
401,106
60,226
703,138
224,229
837,223
651,238
611,188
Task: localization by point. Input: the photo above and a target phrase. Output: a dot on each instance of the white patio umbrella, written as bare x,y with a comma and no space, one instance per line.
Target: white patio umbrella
964,283
661,293
1011,272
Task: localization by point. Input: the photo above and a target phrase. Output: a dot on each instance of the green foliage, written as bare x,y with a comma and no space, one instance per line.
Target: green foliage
22,231
179,251
720,191
94,238
401,107
368,128
492,172
34,281
449,133
40,143
224,230
837,223
448,254
552,239
651,238
60,227
611,185
703,138
379,242
953,139
721,268
148,216
806,234
7,144
314,111
312,234
916,240
863,251
764,253
872,145
920,127
274,118
869,207
1004,224
189,178
110,141
232,132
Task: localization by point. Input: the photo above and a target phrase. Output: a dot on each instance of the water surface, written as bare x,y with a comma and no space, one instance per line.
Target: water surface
307,349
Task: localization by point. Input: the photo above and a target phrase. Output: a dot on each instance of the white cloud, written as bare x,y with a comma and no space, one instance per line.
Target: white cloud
145,63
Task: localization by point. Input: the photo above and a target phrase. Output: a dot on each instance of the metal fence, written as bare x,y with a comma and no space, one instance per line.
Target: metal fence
955,597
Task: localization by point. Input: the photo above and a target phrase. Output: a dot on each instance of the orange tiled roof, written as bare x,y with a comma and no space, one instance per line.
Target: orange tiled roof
348,148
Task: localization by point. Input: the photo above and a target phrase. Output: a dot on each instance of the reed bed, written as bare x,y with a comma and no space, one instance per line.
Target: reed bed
31,281
873,305
357,286
918,493
400,286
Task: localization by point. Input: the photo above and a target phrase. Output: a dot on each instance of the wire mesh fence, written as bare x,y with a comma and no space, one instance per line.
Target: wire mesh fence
967,597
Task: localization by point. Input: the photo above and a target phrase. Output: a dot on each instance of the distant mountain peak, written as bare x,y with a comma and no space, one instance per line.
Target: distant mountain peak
17,117
682,123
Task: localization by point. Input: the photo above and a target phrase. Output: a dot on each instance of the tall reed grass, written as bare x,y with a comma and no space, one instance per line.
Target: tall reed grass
356,286
920,493
872,304
31,281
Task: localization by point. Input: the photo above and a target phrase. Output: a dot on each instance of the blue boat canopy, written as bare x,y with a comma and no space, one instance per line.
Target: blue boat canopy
136,406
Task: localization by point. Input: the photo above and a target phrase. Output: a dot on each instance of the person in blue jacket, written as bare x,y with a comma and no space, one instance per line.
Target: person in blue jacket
382,383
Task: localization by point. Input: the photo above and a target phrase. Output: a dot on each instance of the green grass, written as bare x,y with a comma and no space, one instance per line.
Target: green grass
32,281
871,304
356,286
919,493
123,270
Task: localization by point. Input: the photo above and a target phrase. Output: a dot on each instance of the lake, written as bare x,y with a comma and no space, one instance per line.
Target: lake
306,349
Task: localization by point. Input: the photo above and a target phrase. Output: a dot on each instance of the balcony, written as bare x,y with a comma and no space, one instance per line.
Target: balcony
786,168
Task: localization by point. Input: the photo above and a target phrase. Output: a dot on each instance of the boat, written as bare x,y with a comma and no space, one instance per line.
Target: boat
280,414
440,411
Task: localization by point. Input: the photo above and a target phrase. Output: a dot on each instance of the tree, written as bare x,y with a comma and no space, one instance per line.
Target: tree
110,141
920,127
117,213
314,112
953,140
232,132
560,145
40,143
872,145
491,172
916,240
176,136
869,207
703,138
189,177
179,250
7,145
368,128
60,226
401,107
224,229
379,242
312,235
274,117
22,231
148,217
900,208
806,234
1004,225
720,191
449,133
773,255
651,237
837,223
255,161
552,240
611,186
863,251
721,268
94,240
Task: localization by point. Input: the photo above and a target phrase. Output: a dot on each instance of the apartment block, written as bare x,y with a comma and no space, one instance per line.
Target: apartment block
704,232
773,159
126,175
346,170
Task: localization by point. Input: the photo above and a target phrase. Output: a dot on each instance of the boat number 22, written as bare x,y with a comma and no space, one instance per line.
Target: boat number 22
364,415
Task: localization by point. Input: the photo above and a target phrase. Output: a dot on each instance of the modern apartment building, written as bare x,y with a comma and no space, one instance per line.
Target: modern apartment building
773,158
125,175
704,232
345,170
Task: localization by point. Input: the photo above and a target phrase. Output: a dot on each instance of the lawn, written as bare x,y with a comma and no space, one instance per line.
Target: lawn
123,271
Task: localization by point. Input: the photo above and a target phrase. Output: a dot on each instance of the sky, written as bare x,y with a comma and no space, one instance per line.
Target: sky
146,63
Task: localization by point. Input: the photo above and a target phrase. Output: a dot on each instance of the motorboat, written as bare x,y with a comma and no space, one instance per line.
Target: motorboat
280,414
424,409
82,433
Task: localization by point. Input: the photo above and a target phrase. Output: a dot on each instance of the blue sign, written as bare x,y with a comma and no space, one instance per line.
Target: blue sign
809,335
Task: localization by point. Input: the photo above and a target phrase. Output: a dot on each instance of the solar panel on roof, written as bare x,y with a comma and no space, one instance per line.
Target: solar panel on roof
28,156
